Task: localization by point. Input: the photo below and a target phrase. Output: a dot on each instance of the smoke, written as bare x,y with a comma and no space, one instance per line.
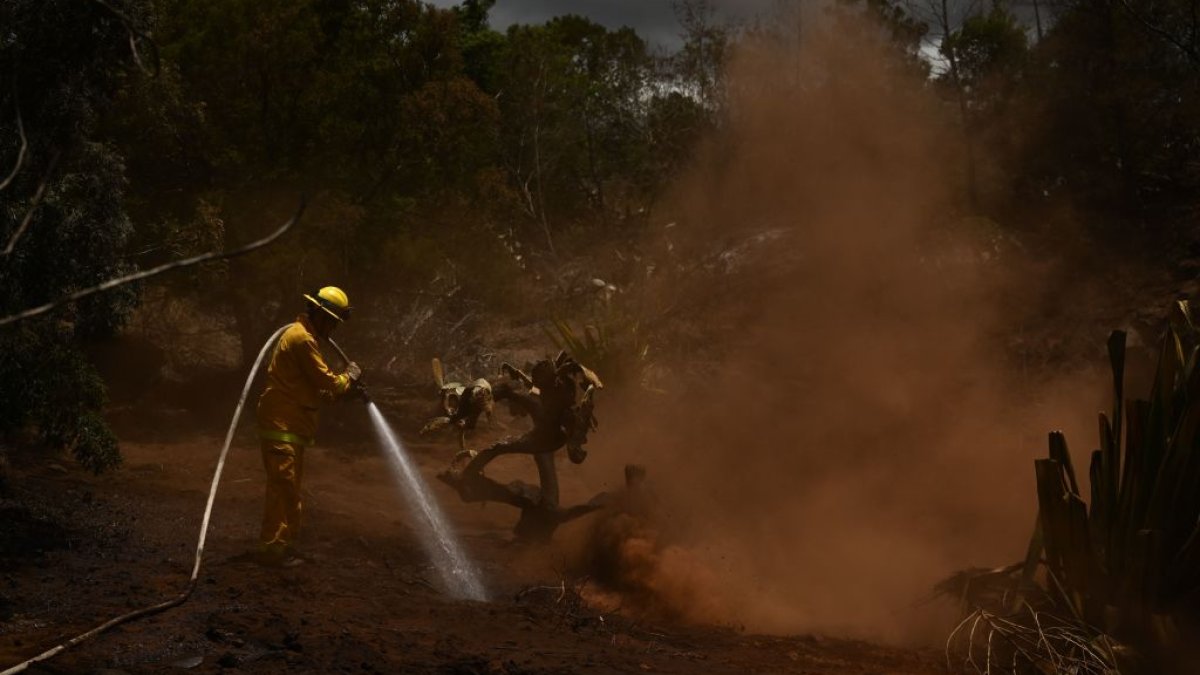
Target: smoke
862,431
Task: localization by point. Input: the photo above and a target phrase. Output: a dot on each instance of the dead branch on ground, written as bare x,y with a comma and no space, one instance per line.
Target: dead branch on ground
989,644
568,605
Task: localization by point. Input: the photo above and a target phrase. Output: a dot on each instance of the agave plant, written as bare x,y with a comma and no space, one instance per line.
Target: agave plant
1131,561
612,347
1125,562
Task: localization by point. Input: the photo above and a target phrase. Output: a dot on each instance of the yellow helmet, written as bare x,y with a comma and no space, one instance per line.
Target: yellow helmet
333,300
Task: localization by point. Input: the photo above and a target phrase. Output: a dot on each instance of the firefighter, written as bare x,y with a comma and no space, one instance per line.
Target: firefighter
298,381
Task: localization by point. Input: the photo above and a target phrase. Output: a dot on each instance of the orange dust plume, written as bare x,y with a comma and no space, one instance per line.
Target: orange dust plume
851,428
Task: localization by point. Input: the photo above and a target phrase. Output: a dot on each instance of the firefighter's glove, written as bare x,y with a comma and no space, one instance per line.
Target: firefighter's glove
354,372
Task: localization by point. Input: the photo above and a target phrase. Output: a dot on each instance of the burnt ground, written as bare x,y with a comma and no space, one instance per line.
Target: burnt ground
77,549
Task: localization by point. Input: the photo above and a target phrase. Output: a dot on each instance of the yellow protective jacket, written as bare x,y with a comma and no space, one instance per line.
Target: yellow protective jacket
298,379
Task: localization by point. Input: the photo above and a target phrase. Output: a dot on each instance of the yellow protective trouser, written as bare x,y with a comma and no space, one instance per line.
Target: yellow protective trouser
284,464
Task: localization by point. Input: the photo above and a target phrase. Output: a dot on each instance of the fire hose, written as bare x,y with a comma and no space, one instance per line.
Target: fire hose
191,585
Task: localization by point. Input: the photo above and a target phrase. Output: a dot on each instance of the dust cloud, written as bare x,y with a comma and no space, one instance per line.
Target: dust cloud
864,432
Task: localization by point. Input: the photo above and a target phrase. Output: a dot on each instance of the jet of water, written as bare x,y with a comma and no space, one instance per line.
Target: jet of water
459,575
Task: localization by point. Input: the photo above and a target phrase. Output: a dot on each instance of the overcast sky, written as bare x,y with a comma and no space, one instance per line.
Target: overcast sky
654,20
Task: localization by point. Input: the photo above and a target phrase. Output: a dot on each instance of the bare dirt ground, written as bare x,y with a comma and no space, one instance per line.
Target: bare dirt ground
77,549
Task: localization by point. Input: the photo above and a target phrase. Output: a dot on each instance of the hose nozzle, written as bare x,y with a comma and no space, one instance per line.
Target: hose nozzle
357,388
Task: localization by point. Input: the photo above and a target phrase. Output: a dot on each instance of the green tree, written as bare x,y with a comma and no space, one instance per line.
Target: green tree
989,51
574,111
62,63
365,105
700,64
481,46
987,55
1107,114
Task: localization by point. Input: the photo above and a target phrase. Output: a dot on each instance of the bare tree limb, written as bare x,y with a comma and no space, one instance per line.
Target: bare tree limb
155,271
1189,51
24,141
37,198
134,36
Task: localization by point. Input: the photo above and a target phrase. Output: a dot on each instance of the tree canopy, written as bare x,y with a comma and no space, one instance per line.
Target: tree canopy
436,147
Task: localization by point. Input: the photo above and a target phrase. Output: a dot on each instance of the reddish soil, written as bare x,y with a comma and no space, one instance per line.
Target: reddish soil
77,549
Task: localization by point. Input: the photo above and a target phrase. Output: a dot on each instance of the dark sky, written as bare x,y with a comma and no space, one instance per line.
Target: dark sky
654,20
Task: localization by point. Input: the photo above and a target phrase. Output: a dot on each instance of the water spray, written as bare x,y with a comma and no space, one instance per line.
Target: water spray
460,578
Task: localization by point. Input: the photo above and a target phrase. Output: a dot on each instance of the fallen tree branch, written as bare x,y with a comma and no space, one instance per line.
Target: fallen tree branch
155,271
37,198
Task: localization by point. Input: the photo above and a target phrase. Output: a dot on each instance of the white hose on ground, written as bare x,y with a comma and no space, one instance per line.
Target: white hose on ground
212,495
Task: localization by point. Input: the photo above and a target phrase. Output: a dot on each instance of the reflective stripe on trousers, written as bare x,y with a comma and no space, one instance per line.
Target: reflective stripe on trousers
285,437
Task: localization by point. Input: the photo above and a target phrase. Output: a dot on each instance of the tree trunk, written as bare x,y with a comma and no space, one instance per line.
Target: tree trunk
537,160
963,110
597,184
